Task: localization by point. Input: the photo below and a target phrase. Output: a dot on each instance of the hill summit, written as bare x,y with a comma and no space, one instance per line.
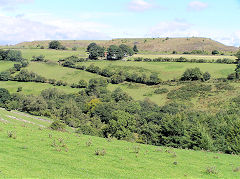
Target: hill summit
145,44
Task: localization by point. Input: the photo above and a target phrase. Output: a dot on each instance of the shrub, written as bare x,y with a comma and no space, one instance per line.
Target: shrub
74,48
58,126
39,58
19,89
192,74
215,52
224,86
100,152
231,76
206,76
161,91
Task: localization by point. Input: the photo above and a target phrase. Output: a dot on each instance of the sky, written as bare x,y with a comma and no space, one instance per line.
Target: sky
28,20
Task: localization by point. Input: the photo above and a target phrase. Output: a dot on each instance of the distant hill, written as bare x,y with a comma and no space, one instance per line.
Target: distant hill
145,44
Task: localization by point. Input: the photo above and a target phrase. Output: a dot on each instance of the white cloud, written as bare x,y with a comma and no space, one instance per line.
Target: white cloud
140,5
197,6
10,5
15,29
176,28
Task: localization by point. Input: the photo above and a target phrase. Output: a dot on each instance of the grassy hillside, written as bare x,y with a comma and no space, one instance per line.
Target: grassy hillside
144,44
32,87
29,149
166,70
5,65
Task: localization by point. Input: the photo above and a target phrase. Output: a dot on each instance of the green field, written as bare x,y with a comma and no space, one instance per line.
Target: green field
33,88
5,65
52,55
33,153
205,57
54,71
168,70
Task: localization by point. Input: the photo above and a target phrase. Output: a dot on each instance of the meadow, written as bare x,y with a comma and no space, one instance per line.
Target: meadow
5,65
55,71
167,70
29,149
191,56
32,87
52,55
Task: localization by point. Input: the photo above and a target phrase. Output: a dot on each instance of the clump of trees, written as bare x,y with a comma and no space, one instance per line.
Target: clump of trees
11,55
55,44
97,111
193,74
95,51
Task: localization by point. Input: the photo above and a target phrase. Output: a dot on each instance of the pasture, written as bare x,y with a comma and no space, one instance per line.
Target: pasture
29,149
191,56
52,55
32,87
54,71
5,65
167,70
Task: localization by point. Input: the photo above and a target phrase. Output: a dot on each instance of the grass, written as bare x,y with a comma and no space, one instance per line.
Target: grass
39,152
52,55
146,44
54,71
205,57
33,88
169,70
5,65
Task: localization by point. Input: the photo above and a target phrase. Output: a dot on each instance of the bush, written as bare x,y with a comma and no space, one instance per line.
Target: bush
192,74
74,48
39,58
161,91
206,76
58,126
224,86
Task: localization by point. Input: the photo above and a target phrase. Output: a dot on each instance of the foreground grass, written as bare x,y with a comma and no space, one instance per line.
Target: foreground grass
33,153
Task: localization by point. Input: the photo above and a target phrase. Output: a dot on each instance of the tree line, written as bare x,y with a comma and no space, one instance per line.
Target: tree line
100,112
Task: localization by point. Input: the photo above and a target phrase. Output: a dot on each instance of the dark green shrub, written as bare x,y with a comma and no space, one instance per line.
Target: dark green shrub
58,126
161,91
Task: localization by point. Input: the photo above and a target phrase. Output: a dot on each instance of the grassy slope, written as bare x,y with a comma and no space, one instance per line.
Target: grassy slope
5,65
170,70
31,155
33,88
146,44
57,72
53,55
205,57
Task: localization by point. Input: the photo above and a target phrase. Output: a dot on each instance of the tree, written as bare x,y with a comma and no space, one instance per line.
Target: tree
121,125
55,44
90,46
18,66
13,55
215,52
192,74
206,76
237,69
95,52
5,76
4,95
114,53
127,51
135,49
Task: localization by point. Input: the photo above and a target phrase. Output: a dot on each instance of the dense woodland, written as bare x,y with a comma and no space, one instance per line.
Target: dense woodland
94,110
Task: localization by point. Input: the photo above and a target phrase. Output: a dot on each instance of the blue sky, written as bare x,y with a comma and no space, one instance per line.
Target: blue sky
27,20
